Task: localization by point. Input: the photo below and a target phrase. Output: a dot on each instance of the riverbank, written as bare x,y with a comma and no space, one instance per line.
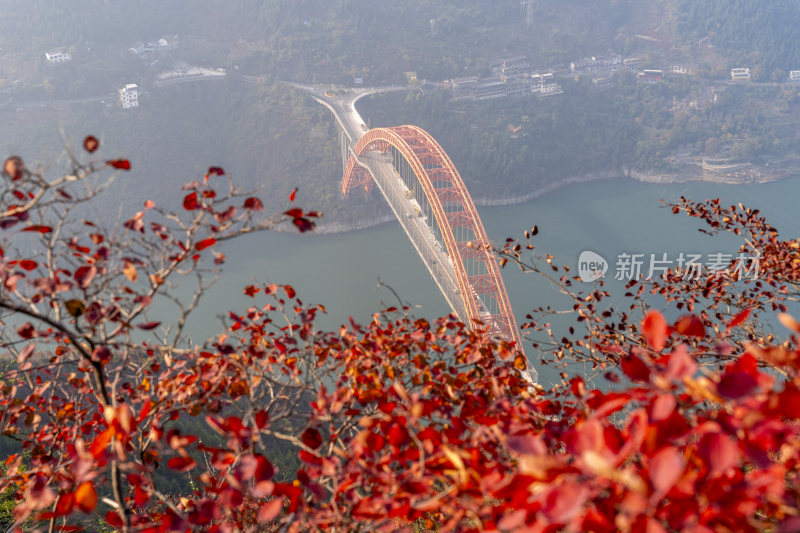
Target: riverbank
643,177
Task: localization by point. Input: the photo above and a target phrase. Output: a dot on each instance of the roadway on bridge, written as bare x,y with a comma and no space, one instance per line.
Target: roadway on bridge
431,251
391,185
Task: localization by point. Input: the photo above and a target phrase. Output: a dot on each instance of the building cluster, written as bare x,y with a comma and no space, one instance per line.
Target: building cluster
509,77
743,74
594,64
57,56
129,96
603,68
146,52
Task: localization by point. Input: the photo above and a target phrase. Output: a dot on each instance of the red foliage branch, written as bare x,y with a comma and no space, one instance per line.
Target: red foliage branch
399,423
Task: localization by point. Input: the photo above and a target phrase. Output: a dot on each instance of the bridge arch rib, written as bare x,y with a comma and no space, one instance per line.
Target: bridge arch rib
465,240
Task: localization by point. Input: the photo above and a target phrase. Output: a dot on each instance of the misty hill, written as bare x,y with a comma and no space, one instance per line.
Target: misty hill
270,136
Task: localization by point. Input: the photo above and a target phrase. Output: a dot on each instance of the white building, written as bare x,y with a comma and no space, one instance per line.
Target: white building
169,42
603,83
57,57
129,96
545,84
740,74
794,75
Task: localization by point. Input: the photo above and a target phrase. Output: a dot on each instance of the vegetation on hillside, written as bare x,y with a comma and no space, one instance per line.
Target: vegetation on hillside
507,147
759,35
274,136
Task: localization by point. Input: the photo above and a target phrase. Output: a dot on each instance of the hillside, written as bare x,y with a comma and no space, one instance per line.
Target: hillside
275,138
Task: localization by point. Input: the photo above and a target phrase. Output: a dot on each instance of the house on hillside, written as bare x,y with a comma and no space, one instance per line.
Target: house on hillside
632,63
169,42
129,96
57,56
603,83
650,76
464,87
740,74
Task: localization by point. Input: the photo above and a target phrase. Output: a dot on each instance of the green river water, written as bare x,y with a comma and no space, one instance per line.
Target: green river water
341,271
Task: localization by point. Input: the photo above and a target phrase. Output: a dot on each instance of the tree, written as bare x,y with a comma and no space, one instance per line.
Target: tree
399,423
74,296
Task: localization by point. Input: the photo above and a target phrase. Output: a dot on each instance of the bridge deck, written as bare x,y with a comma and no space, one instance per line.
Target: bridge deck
437,261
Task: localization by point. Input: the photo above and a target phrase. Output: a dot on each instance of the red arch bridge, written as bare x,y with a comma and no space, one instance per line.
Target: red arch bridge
432,204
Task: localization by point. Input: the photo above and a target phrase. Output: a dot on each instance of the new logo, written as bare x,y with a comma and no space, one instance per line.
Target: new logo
591,266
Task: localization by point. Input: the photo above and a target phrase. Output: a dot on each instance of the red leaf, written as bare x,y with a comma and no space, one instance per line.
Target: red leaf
293,194
253,203
39,229
26,352
691,326
270,289
202,245
654,328
292,492
216,171
312,438
113,519
290,292
190,202
680,364
183,464
739,318
270,510
145,410
84,275
100,443
14,168
294,212
122,164
65,504
789,322
90,144
86,497
262,419
251,290
148,325
303,224
101,354
634,368
720,453
257,468
140,497
27,264
735,385
26,331
662,407
564,501
666,468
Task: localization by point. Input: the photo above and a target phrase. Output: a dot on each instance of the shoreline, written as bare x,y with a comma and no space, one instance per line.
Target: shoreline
642,177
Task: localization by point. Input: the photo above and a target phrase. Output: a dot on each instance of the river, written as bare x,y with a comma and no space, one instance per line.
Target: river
607,217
